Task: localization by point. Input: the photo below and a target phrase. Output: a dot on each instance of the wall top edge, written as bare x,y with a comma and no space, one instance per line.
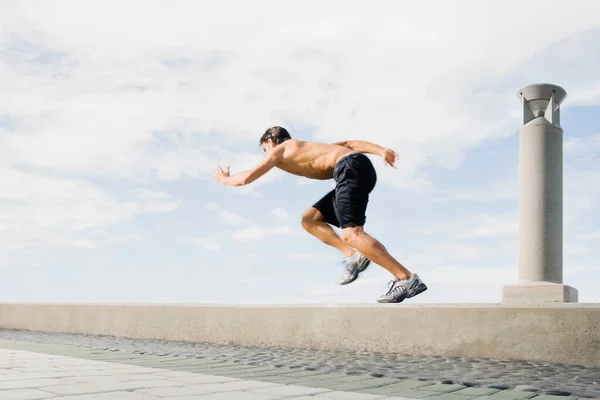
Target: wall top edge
324,305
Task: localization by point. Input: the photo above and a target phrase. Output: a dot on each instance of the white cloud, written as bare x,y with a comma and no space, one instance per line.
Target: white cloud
106,238
279,213
581,144
205,242
137,105
258,233
45,202
476,225
38,210
485,225
574,248
231,218
312,256
580,197
94,120
425,231
507,188
304,181
590,235
248,234
440,253
473,275
405,176
228,217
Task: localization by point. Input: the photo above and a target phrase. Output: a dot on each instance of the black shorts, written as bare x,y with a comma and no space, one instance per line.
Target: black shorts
345,206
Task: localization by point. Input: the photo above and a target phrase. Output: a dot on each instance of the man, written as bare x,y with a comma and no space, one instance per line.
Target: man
343,207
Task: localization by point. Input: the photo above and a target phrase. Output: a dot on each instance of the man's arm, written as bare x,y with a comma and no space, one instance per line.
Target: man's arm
388,156
246,177
362,146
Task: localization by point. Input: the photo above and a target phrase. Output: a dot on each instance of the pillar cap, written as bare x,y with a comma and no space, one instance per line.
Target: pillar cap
542,91
541,103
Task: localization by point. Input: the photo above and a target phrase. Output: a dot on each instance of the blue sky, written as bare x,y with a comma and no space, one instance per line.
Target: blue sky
111,125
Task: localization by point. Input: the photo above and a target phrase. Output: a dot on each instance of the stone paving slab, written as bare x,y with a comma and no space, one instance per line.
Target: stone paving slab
544,378
135,383
337,383
366,384
37,371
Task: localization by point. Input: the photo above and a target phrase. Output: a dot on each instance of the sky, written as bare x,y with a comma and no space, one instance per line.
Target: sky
113,116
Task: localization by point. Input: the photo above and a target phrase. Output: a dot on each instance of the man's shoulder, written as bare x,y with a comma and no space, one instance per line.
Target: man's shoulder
306,145
309,143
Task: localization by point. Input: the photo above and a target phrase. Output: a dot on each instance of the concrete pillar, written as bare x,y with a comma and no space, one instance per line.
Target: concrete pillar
540,199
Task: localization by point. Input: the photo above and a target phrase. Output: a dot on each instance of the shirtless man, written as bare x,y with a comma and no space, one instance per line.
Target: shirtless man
343,207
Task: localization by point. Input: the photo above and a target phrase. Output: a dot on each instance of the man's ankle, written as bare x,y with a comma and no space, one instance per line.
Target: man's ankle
405,277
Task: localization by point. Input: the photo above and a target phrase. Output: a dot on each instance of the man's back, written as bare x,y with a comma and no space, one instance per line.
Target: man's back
310,159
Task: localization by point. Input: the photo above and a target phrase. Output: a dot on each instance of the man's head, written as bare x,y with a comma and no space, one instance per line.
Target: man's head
272,137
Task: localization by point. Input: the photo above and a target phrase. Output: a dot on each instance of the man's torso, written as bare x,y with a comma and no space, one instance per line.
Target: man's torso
310,159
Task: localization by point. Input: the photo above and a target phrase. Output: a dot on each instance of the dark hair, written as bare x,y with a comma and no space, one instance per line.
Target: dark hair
277,133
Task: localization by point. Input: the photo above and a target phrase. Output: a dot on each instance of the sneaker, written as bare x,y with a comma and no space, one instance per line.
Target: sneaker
403,289
354,266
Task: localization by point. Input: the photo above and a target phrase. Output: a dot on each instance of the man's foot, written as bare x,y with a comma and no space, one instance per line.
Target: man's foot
403,289
354,265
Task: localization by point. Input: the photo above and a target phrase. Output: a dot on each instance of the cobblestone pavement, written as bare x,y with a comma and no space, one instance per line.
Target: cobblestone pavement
502,380
33,376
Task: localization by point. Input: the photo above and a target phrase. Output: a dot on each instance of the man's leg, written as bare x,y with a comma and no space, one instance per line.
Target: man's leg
405,285
317,221
351,199
374,250
314,223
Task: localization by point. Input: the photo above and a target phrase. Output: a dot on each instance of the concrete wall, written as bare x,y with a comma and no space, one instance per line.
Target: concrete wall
560,333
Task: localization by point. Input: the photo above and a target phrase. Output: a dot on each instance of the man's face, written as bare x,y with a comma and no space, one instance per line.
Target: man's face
268,146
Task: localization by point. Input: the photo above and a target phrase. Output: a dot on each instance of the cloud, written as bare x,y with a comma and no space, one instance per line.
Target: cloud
310,256
100,127
304,181
279,213
44,201
425,231
476,225
580,198
473,275
447,252
42,211
507,188
104,238
574,248
232,218
249,234
259,233
405,176
168,105
228,217
486,225
578,145
204,242
590,235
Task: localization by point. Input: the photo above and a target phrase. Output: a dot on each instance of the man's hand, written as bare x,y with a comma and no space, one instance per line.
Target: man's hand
389,157
249,176
220,175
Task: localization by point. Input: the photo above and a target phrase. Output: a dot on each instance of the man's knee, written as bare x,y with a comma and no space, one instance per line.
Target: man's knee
311,216
350,234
